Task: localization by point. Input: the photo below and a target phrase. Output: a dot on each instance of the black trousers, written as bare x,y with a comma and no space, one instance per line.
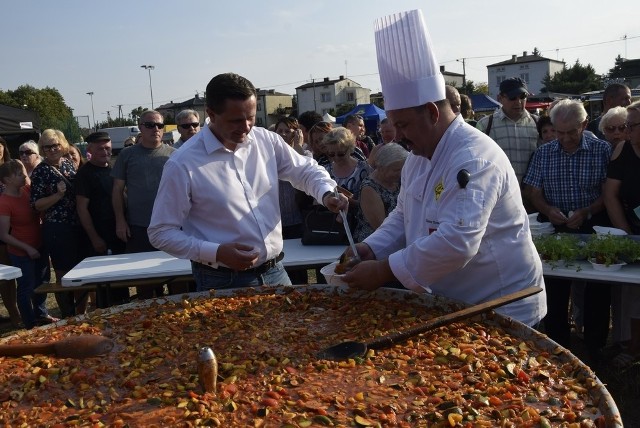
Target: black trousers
597,302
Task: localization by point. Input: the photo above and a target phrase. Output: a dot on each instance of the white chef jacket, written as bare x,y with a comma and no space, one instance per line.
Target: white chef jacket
470,244
210,195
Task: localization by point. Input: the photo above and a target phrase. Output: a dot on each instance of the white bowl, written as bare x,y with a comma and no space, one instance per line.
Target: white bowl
610,268
331,276
601,230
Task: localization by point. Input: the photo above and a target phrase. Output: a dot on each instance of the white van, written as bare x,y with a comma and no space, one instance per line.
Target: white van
119,134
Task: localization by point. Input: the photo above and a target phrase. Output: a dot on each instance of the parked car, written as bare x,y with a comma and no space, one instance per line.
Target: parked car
170,137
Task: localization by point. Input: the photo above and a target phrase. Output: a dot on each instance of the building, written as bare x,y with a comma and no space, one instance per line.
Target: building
530,68
327,95
453,79
171,109
271,105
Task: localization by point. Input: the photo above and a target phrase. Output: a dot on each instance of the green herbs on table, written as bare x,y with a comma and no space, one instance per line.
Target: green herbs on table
611,249
558,248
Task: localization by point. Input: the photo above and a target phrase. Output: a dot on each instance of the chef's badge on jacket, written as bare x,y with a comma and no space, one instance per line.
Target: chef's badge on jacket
437,191
432,226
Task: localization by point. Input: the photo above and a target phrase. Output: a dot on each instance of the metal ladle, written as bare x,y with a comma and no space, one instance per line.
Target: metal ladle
356,257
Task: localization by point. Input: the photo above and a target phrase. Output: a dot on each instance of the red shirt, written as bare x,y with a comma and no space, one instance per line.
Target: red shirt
24,221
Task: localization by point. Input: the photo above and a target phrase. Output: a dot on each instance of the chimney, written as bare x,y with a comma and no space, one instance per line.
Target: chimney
341,78
197,96
326,79
514,58
524,53
442,69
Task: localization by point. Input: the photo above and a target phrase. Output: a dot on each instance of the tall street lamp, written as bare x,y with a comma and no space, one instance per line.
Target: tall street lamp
149,68
93,114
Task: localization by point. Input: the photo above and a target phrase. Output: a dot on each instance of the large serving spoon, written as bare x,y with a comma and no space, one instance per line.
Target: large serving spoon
346,350
82,346
355,258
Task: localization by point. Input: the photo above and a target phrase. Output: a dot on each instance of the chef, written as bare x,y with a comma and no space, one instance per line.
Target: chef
460,229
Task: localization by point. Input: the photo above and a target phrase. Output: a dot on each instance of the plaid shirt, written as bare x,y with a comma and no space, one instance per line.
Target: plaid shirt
518,139
570,180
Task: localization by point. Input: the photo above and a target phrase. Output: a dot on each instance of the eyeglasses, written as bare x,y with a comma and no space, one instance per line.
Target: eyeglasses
612,128
340,155
631,125
152,125
193,125
26,153
518,97
50,147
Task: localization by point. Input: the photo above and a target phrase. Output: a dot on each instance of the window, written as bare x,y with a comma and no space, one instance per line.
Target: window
525,77
259,107
499,79
351,96
500,69
325,97
524,67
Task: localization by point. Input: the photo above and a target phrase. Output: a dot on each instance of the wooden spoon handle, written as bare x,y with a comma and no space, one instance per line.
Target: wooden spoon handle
19,350
390,339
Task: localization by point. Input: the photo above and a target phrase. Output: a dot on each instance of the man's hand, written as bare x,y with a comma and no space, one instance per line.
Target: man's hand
577,218
556,216
369,275
99,246
122,231
32,253
336,204
237,256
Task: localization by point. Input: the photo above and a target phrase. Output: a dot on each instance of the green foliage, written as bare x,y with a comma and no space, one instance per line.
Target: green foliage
50,106
343,109
573,80
113,123
559,247
136,113
612,249
472,88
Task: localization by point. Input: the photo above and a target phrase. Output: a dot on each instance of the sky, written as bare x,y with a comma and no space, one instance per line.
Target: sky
80,46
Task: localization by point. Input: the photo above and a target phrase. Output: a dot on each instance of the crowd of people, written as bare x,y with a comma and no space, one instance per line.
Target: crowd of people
438,201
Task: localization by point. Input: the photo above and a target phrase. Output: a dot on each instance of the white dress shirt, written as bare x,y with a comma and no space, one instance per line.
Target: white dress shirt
210,195
470,244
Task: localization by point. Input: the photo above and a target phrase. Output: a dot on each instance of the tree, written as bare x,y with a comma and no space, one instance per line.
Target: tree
472,88
50,106
573,80
344,108
136,113
536,52
115,122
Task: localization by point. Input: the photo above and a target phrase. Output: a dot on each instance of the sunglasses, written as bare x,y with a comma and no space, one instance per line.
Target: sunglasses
152,125
50,147
193,125
340,155
518,97
26,153
620,128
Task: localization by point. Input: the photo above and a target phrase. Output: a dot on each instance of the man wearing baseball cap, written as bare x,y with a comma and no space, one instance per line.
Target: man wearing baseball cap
459,229
512,126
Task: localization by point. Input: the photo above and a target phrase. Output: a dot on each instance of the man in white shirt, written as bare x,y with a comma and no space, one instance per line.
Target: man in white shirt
218,199
459,228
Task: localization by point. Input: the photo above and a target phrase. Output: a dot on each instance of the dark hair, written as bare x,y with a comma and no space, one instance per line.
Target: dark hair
542,122
352,118
612,90
466,107
290,122
228,86
309,118
9,168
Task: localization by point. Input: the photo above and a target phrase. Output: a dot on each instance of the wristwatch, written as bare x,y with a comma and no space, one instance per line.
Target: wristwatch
589,213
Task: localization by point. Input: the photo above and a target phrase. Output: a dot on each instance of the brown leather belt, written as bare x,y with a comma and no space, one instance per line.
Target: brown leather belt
258,270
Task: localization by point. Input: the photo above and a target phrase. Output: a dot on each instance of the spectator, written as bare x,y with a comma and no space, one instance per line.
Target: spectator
29,155
348,172
188,125
20,228
379,191
7,288
355,124
453,96
289,129
75,156
130,142
306,121
614,95
231,169
566,178
466,110
138,170
621,196
388,135
53,195
613,126
546,132
316,135
512,126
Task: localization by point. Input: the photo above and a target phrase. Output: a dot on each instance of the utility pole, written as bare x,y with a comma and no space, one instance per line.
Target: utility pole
119,110
464,74
313,82
149,68
93,113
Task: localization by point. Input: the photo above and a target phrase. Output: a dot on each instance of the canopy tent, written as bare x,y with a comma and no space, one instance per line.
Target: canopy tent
17,126
371,114
483,103
328,118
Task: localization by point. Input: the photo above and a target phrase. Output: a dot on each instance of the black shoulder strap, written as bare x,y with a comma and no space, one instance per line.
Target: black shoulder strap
489,125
